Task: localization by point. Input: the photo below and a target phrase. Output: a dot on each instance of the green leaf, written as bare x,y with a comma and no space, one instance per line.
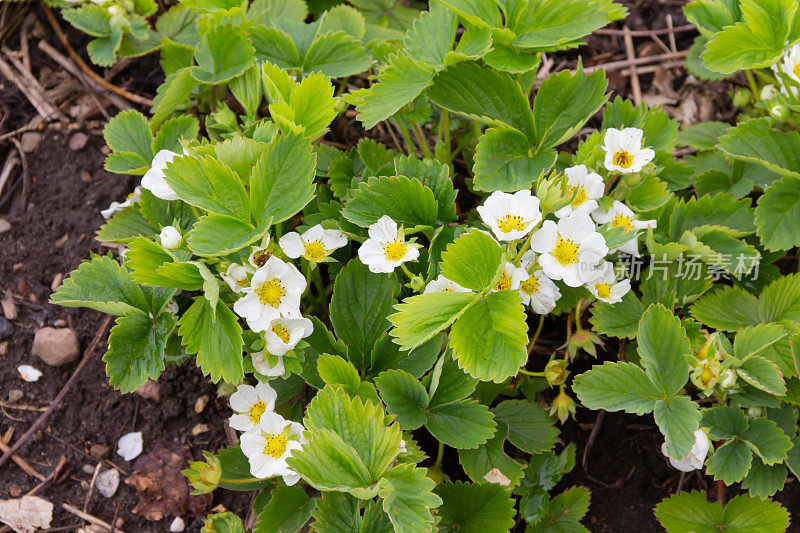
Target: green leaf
756,339
267,10
236,470
778,215
529,428
565,512
765,480
727,309
214,334
103,50
336,370
336,55
210,184
780,300
274,46
215,235
678,418
692,512
649,194
172,95
101,284
360,305
343,18
618,320
449,383
703,136
756,142
421,317
725,422
763,374
736,216
564,103
173,131
129,132
767,440
503,161
617,387
477,462
406,201
489,340
224,52
124,226
91,19
433,175
472,260
404,396
431,36
399,82
461,424
711,16
309,109
226,522
288,510
136,349
282,182
484,94
730,462
408,498
663,345
475,507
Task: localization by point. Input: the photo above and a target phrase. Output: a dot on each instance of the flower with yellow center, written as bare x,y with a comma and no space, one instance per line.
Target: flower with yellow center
274,292
570,250
624,152
249,404
386,248
268,445
606,288
789,66
238,277
260,254
442,284
587,186
116,207
284,334
620,215
510,278
537,290
510,216
316,244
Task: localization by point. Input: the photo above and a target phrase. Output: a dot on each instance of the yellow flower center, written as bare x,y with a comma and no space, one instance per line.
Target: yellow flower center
706,376
509,223
622,221
504,283
566,251
796,70
394,251
281,332
603,290
623,159
276,446
530,285
261,257
271,292
256,411
315,251
580,195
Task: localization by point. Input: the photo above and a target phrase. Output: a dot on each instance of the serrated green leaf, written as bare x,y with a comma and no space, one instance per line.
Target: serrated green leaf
224,52
406,201
617,387
91,19
214,334
421,317
129,132
529,428
678,418
703,136
619,320
477,462
431,36
725,422
503,161
433,175
210,184
404,396
475,507
408,498
101,284
565,512
727,309
730,462
763,374
462,424
780,300
765,480
173,131
663,345
288,510
215,235
736,216
124,226
336,55
472,260
767,440
755,141
778,215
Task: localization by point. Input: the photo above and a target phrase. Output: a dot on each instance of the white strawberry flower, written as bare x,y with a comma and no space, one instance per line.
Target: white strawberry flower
510,279
269,444
510,216
268,365
386,248
116,207
570,250
695,458
238,277
250,403
442,284
259,255
284,334
587,186
316,244
274,292
154,181
537,290
606,288
624,152
170,237
620,215
790,64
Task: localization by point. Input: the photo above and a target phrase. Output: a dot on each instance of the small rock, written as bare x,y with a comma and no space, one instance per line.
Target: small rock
33,298
78,141
200,428
88,469
9,308
56,347
6,329
15,490
150,390
201,403
29,373
3,348
177,525
130,445
30,141
14,395
5,225
86,177
107,482
60,323
57,282
99,451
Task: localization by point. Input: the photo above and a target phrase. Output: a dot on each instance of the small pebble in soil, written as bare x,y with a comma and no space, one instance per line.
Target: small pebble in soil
130,445
30,141
57,282
177,525
14,395
6,329
9,308
4,348
5,225
200,428
99,451
150,390
29,373
56,347
88,469
78,141
86,177
107,482
201,403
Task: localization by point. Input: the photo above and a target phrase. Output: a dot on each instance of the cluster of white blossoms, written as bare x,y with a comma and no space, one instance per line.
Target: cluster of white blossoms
267,438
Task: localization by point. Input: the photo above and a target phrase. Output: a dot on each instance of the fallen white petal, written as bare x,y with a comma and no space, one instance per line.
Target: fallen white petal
29,373
130,445
177,525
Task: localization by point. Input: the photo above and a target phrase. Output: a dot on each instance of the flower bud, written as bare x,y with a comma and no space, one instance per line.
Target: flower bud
553,192
556,372
768,92
779,111
340,106
583,340
741,98
705,374
727,379
417,283
755,411
170,237
204,476
563,407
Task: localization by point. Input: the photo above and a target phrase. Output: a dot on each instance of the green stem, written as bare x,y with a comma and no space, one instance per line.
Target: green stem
522,250
444,134
439,455
753,85
536,334
406,137
533,374
342,86
408,273
422,142
240,481
578,313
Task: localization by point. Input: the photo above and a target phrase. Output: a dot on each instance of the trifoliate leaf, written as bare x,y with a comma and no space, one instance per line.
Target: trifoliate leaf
421,317
472,260
407,201
408,498
692,512
475,507
224,52
136,349
216,337
308,110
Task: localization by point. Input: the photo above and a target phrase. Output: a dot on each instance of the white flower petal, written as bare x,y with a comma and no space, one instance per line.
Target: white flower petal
130,445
